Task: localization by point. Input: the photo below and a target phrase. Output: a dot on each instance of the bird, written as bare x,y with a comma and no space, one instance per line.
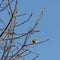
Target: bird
35,41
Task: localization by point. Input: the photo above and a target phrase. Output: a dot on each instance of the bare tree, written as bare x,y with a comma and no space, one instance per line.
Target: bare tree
12,46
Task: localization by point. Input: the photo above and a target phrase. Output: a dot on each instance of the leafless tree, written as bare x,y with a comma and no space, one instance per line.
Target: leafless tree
12,47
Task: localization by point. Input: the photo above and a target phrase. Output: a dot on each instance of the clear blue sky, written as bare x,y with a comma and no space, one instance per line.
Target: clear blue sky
49,26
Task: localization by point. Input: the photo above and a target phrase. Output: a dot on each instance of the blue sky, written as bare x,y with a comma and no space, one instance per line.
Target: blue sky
49,26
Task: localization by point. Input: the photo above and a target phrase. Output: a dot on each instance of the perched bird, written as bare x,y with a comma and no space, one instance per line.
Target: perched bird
35,41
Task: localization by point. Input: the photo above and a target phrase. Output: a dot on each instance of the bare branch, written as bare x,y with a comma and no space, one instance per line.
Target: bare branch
11,45
9,20
25,21
3,8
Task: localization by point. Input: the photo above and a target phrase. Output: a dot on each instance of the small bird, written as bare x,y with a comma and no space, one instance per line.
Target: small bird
35,41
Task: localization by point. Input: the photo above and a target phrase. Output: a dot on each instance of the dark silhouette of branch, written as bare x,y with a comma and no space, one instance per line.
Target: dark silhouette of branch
37,43
11,44
10,19
3,8
1,2
35,57
25,21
